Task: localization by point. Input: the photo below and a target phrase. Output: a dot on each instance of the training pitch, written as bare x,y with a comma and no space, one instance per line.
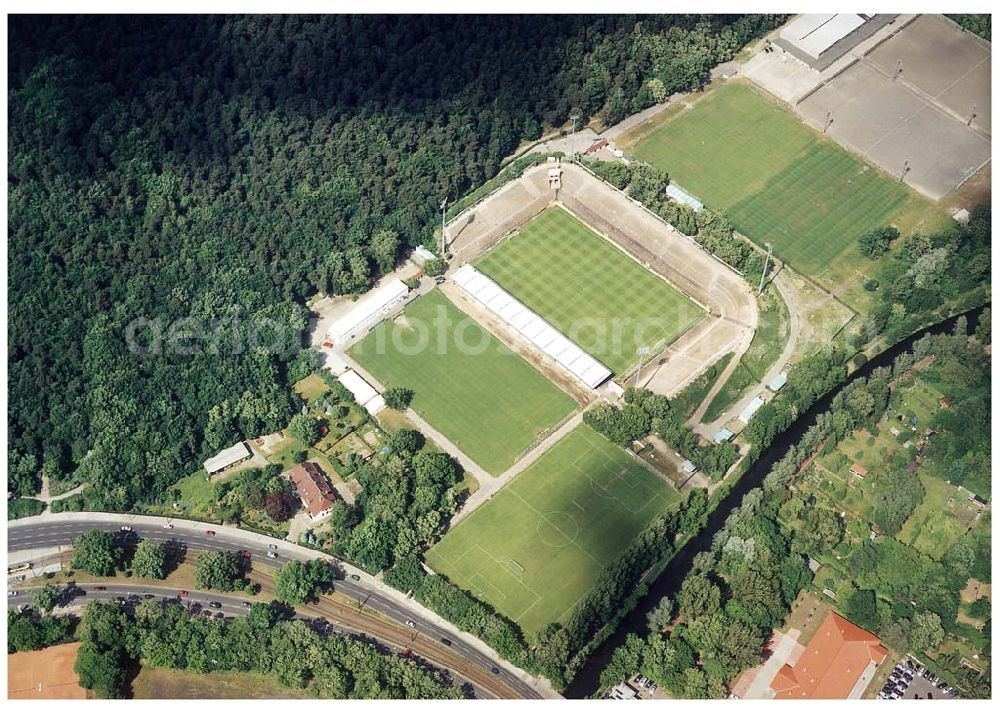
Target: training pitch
777,180
481,396
588,289
537,547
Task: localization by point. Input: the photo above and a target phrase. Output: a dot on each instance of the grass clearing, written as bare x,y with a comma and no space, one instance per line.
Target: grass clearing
179,684
481,396
782,183
536,548
588,289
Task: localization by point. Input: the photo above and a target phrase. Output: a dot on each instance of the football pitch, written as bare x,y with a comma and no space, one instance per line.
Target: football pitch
777,180
536,548
480,395
588,289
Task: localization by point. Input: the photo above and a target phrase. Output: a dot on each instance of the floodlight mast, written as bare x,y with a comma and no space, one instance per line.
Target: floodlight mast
763,273
641,351
444,241
572,149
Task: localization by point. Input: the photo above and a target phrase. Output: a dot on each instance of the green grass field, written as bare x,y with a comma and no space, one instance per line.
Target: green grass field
780,182
536,548
588,289
482,397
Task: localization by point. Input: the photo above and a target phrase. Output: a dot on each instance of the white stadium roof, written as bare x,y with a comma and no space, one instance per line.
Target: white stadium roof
533,328
366,309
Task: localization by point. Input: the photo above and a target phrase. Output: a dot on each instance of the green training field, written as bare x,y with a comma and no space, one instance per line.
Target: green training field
536,548
588,289
482,397
778,181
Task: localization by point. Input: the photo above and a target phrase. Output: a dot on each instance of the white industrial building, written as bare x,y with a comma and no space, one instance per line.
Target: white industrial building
230,456
813,34
368,311
363,392
543,336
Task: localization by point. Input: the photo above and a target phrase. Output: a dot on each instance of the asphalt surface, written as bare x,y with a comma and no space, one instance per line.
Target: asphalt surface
425,639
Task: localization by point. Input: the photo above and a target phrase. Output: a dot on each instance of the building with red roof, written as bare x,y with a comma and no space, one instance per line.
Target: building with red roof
838,663
314,489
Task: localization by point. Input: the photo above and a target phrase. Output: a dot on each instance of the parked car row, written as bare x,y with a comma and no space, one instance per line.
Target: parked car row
903,674
644,683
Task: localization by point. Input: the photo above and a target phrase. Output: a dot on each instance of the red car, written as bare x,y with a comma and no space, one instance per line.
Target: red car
245,554
210,533
182,593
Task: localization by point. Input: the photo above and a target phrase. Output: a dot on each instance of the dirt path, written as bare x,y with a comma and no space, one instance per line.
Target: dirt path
709,429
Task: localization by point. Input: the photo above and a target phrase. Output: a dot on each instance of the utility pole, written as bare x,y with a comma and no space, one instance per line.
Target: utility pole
972,115
444,241
828,121
899,69
763,273
906,168
641,351
572,150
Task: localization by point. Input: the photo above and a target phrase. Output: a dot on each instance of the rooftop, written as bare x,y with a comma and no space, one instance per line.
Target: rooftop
314,488
839,654
224,458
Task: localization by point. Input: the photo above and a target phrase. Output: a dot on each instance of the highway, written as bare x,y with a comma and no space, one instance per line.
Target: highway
424,639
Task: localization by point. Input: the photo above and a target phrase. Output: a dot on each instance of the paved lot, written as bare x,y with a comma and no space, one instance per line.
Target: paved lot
916,121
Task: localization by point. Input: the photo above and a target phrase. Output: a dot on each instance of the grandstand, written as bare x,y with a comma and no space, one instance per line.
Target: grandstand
539,333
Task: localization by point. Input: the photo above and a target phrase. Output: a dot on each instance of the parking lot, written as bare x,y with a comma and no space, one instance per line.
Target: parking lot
910,680
918,106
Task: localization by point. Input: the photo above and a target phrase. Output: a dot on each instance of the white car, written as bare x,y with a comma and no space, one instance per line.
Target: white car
12,593
126,528
272,546
168,525
272,554
410,623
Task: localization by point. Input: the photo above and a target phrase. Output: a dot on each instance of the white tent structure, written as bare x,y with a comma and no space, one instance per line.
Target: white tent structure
368,311
543,336
362,391
815,33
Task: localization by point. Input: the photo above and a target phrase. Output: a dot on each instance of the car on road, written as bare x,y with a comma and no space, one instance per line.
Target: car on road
355,578
210,532
220,615
12,593
272,546
245,553
439,279
168,525
215,604
446,641
411,623
247,604
272,554
182,593
149,596
495,671
126,528
99,588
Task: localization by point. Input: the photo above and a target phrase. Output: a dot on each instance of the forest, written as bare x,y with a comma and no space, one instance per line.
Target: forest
180,186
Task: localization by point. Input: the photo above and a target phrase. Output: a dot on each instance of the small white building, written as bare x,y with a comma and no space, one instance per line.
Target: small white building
368,311
421,255
225,458
778,382
751,408
679,195
688,467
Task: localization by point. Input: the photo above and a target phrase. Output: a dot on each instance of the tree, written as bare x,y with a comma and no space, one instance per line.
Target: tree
821,529
150,560
46,597
926,631
875,243
398,398
305,428
406,575
698,596
102,671
862,609
219,571
384,245
297,582
96,552
342,520
280,505
658,619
